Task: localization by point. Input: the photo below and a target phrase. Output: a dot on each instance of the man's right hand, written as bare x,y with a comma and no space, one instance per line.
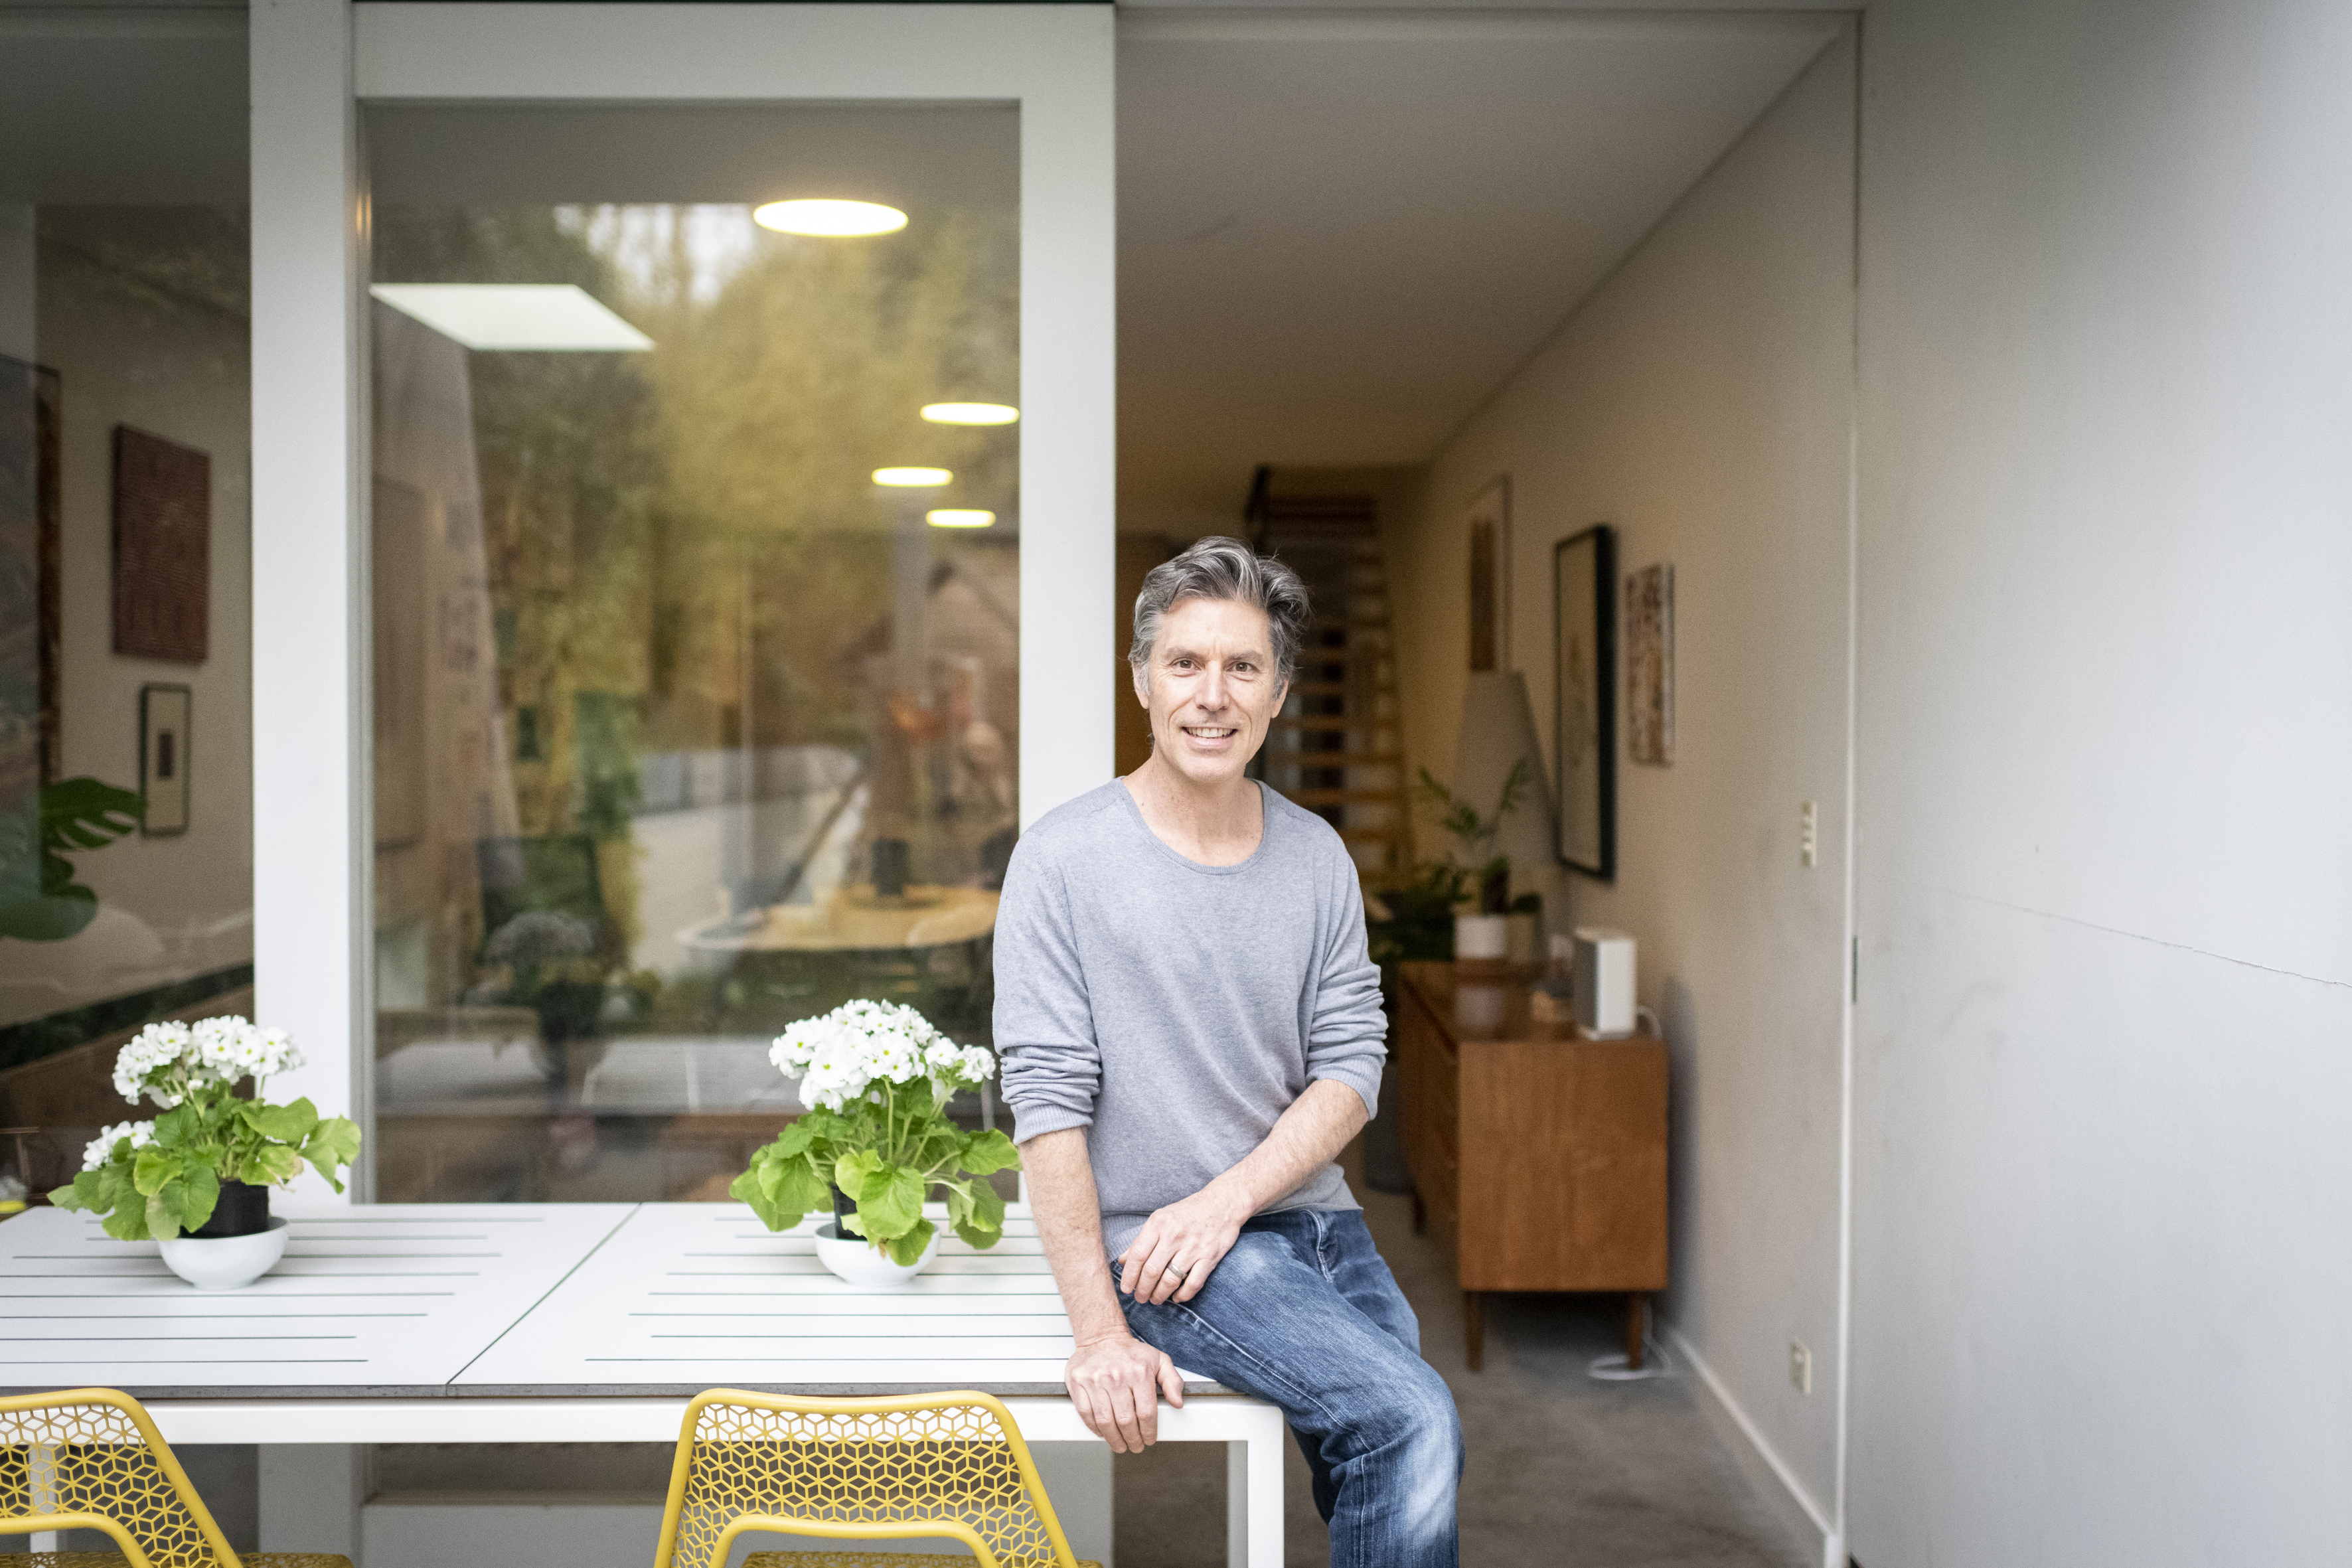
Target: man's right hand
1116,1383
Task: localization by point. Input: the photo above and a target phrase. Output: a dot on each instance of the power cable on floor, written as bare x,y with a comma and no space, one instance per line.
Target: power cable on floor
1614,1368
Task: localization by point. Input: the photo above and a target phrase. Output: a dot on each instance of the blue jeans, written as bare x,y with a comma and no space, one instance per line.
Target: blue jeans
1303,1313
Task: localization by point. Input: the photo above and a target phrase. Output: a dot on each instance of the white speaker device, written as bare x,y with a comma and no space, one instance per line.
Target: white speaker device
1605,984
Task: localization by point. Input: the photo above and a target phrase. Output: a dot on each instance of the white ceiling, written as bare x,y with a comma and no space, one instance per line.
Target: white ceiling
1340,232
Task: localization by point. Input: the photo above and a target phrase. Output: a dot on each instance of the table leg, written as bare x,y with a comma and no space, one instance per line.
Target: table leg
1264,1499
1636,1321
310,1497
1237,1554
1474,1328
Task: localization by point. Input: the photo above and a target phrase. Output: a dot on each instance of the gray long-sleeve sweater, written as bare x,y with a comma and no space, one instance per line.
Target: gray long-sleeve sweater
1177,1010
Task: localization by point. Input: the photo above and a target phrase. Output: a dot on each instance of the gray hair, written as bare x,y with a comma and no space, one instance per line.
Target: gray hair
1220,568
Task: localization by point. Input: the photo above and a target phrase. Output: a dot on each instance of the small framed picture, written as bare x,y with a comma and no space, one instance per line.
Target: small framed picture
1584,722
1650,664
164,759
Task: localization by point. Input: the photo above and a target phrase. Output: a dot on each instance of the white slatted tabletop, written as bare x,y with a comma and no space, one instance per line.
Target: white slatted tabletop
384,1300
684,1297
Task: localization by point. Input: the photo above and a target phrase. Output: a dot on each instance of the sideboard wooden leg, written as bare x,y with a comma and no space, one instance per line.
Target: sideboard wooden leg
1474,1328
1636,1321
1419,1214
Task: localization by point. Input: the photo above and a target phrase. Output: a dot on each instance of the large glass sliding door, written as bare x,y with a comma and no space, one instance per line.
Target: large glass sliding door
695,616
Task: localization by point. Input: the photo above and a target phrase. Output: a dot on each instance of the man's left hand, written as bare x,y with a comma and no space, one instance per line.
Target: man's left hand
1179,1246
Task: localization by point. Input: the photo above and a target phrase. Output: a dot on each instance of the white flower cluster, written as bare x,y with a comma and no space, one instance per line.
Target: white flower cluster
163,1056
841,1056
101,1148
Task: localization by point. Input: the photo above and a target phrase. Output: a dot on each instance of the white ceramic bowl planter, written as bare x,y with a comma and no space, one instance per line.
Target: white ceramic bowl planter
224,1262
853,1257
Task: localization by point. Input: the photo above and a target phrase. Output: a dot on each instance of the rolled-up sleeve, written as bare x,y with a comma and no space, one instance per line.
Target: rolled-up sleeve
1347,1037
1051,1063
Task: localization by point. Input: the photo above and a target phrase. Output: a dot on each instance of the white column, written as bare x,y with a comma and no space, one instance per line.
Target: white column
310,793
1070,366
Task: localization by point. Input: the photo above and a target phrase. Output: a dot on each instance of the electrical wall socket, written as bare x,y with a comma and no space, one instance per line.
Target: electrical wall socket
1809,834
1800,1366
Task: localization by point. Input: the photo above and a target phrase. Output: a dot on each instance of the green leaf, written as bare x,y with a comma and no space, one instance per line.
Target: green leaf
890,1200
183,1123
82,1194
334,1144
849,1172
747,1188
907,1250
30,917
801,1186
976,1212
152,1168
128,1222
986,1151
190,1199
114,1186
286,1123
161,1223
795,1138
83,814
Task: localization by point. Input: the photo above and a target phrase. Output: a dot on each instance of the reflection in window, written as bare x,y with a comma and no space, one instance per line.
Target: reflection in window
684,727
126,820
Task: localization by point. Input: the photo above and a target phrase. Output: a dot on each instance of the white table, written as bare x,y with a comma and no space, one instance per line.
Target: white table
544,1323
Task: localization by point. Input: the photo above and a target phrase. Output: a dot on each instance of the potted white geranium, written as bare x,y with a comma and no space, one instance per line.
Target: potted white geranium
197,1179
875,1140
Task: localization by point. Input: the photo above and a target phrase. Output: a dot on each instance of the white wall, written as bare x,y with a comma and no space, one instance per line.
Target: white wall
2103,1185
1699,401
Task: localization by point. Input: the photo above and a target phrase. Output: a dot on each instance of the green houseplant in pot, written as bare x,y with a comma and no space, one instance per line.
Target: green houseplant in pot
197,1179
875,1140
1481,933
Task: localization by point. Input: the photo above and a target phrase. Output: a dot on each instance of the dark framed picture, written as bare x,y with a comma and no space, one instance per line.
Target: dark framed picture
163,712
30,622
1584,697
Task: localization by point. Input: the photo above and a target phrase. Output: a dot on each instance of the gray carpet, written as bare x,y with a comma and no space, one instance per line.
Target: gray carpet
1563,1471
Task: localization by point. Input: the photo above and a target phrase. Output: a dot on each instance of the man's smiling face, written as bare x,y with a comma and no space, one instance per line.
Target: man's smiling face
1211,686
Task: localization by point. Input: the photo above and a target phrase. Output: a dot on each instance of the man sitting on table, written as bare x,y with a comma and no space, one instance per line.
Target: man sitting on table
1191,1029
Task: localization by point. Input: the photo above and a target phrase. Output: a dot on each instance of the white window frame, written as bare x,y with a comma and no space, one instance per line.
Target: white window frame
313,63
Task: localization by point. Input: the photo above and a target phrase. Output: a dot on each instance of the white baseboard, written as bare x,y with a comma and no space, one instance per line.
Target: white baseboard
1812,1513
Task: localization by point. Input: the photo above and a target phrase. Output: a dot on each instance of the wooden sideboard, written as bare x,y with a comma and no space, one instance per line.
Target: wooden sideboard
1541,1155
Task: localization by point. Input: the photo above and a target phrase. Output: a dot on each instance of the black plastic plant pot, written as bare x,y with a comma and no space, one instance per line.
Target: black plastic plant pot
243,1210
843,1206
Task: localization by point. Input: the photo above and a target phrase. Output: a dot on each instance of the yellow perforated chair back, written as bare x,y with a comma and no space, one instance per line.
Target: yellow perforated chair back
945,1464
90,1458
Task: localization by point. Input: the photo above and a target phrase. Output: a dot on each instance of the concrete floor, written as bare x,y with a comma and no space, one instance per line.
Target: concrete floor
1563,1471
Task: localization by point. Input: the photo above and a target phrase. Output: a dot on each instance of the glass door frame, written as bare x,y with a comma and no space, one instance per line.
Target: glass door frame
314,62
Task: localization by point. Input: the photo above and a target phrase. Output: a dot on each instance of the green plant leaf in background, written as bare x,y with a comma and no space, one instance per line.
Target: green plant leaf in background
39,900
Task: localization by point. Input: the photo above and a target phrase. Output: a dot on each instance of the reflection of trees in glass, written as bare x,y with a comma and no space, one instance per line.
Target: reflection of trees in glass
684,547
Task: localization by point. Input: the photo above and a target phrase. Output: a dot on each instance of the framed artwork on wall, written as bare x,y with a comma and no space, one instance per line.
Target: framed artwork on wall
29,619
162,548
1649,665
1487,525
1584,697
163,712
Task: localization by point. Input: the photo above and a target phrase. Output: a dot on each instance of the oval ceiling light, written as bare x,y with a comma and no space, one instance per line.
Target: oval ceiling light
912,479
957,517
970,413
830,220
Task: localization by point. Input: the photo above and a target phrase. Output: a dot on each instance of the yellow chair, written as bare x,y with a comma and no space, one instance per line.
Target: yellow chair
90,1458
950,1464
